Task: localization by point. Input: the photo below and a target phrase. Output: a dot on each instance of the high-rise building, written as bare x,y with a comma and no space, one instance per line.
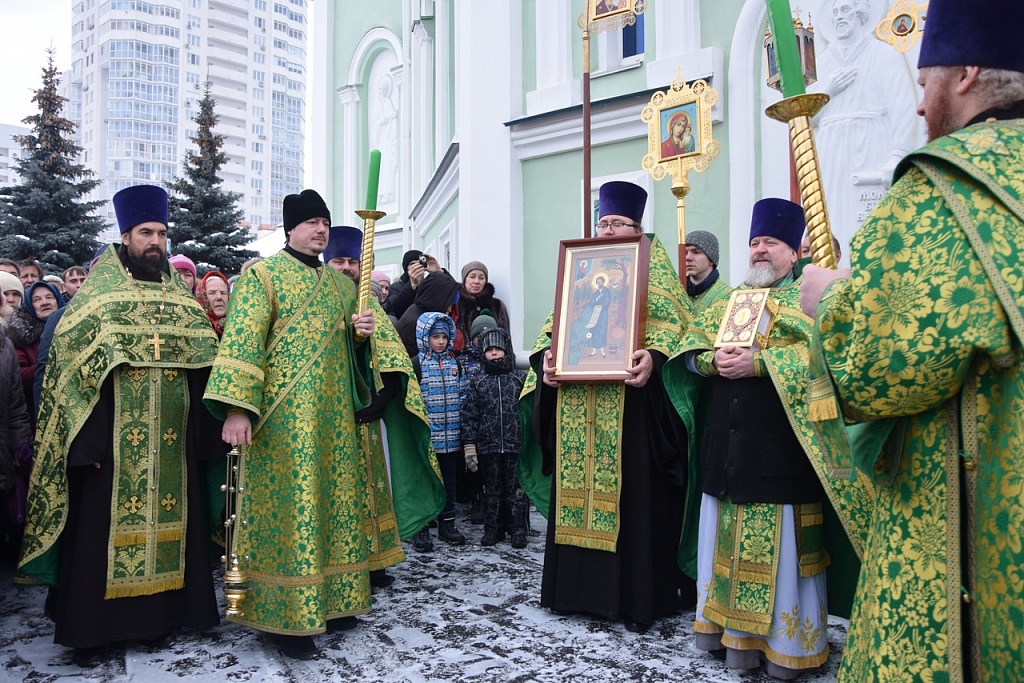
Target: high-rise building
10,152
138,73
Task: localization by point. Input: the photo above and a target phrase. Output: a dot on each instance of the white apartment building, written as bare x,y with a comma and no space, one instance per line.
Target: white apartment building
10,152
138,69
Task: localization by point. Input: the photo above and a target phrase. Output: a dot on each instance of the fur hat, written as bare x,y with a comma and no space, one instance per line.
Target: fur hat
140,204
303,206
706,242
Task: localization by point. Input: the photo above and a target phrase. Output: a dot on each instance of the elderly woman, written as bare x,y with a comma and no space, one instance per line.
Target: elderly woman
213,292
26,328
476,296
13,292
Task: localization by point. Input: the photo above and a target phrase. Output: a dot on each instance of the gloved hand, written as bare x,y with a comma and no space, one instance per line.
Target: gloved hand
472,464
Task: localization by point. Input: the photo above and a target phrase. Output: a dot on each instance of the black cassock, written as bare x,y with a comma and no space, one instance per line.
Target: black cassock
84,619
641,580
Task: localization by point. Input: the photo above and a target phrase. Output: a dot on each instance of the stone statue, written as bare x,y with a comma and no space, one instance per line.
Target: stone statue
384,136
869,123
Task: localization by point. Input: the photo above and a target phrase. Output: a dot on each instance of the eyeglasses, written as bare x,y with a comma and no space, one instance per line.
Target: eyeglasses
615,225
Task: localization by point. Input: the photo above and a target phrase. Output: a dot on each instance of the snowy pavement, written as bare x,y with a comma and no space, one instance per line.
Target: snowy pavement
458,614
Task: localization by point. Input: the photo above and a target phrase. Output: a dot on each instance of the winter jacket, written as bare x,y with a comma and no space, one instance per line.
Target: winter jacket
15,429
472,305
435,294
489,417
25,332
443,384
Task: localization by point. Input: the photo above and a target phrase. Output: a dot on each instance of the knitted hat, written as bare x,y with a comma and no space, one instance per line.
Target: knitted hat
482,322
441,326
706,242
379,276
10,282
470,267
181,261
344,242
983,33
619,198
778,218
140,204
409,257
498,337
303,206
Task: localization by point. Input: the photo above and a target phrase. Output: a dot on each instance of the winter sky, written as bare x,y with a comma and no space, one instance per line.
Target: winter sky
27,29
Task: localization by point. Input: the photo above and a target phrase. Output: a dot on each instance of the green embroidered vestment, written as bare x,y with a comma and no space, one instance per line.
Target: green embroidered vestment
924,341
143,334
289,359
589,425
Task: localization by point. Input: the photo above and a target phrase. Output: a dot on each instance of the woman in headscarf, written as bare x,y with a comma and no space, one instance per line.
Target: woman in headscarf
213,292
26,328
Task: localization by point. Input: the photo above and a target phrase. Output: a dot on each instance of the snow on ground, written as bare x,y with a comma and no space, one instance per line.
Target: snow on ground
458,614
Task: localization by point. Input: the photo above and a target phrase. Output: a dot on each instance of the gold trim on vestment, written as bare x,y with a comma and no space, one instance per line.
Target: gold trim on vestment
777,658
241,366
954,595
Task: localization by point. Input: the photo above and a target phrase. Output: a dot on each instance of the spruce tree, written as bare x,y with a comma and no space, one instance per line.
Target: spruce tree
44,216
205,219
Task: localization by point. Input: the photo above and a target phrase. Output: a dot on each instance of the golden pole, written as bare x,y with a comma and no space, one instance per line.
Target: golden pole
680,188
236,581
370,219
797,112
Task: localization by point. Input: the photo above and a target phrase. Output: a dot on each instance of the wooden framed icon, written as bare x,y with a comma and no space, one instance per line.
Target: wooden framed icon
600,307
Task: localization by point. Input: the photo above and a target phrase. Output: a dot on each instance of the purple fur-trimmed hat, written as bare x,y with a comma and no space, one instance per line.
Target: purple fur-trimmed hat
344,242
140,204
619,198
985,33
778,218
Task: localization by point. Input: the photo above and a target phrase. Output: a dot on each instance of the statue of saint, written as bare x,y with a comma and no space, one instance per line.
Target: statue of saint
869,123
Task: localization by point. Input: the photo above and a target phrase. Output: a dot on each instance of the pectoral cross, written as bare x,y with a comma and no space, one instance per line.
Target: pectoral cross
157,342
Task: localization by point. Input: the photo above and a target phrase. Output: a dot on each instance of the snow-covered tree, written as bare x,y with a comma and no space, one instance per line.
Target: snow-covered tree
44,217
206,219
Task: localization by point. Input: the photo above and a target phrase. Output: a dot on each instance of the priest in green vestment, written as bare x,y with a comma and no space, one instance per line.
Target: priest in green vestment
921,340
291,371
415,494
761,561
607,462
116,516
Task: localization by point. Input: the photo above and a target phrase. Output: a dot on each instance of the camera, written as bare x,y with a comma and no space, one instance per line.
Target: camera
423,260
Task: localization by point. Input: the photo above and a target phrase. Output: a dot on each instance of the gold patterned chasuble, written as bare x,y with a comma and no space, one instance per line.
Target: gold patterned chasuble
925,340
109,329
288,358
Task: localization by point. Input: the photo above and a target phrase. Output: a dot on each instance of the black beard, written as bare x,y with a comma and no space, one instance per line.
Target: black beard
148,268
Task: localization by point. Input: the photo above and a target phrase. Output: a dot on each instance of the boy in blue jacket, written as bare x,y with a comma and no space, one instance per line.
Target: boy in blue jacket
444,386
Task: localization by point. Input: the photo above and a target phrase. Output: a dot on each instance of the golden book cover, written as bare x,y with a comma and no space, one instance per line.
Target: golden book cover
748,319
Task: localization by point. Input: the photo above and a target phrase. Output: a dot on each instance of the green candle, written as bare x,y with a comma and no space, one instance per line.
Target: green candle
781,20
373,180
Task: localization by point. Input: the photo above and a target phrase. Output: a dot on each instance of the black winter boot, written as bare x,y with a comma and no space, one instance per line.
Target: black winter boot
422,541
476,512
447,532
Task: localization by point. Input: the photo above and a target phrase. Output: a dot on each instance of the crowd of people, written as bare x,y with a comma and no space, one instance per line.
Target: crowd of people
860,457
